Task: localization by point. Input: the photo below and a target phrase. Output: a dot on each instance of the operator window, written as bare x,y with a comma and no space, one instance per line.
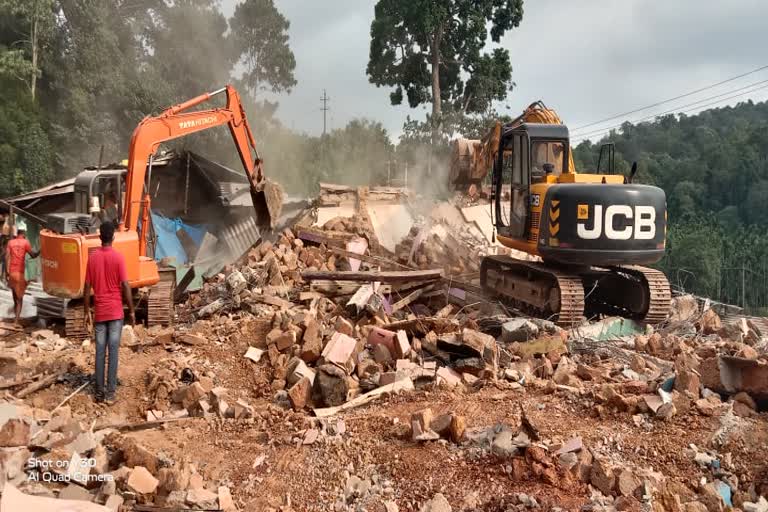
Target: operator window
548,153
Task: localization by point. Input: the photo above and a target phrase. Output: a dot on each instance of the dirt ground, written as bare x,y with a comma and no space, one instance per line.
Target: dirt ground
267,466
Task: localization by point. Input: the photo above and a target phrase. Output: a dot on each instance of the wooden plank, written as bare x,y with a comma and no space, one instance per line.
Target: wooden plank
40,384
18,381
376,260
334,288
182,286
371,276
131,427
400,385
323,237
410,298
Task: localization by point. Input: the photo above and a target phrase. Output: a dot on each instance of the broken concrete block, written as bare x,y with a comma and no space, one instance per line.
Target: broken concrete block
332,384
254,354
423,417
225,500
241,409
14,432
296,370
402,346
687,380
344,326
602,477
368,368
441,424
75,492
236,282
191,339
202,499
189,395
564,373
100,460
518,329
709,323
128,337
300,393
438,503
574,444
340,349
282,340
684,308
141,481
312,343
114,503
448,377
458,428
382,355
508,443
666,411
627,483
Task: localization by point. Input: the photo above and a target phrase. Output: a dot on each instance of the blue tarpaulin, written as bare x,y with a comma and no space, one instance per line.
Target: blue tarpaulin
168,244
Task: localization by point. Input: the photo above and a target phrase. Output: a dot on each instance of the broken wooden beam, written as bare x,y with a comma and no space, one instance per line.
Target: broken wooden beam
372,276
400,385
178,292
323,237
376,260
334,288
142,425
39,384
17,381
410,298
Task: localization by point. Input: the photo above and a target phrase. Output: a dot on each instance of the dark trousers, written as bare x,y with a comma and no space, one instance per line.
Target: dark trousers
107,337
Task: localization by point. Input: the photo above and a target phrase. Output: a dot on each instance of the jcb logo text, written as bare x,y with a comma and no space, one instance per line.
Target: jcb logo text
620,222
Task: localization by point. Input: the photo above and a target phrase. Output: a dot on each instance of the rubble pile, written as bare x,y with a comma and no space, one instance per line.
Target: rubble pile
61,455
267,360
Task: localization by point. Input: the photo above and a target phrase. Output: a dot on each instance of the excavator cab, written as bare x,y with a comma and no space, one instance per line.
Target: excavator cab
531,154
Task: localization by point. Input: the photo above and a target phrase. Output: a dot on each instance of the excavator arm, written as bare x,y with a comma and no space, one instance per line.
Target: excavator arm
472,160
177,122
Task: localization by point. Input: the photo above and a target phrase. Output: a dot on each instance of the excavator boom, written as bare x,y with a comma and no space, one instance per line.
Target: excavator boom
64,249
178,121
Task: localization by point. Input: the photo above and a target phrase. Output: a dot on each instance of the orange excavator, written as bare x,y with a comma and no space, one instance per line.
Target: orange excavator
66,242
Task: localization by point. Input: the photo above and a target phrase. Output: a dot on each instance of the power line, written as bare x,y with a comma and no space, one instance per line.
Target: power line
592,134
672,99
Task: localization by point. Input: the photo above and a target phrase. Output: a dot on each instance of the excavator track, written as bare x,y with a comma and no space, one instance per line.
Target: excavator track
660,294
74,321
569,294
535,288
160,300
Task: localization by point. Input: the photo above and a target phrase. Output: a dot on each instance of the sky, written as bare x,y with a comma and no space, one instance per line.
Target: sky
587,59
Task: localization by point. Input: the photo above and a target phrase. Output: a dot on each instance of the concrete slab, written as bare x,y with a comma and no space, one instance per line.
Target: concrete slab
391,223
326,213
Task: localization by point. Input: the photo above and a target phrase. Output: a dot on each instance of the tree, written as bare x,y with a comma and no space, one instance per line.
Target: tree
424,48
259,33
37,16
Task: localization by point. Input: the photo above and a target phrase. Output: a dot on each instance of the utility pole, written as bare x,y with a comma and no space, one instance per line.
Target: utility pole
325,108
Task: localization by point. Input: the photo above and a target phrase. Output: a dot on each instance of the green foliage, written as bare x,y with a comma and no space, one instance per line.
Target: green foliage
409,38
260,36
25,150
104,65
714,169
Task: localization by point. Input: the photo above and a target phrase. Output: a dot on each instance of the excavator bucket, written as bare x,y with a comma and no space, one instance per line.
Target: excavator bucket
267,199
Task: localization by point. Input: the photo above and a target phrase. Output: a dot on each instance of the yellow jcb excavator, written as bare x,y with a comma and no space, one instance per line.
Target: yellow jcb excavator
591,231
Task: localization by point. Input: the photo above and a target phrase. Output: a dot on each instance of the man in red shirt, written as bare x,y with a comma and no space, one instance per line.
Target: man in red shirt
15,263
107,277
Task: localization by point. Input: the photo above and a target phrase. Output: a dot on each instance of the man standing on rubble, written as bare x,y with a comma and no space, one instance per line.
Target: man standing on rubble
15,265
107,277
